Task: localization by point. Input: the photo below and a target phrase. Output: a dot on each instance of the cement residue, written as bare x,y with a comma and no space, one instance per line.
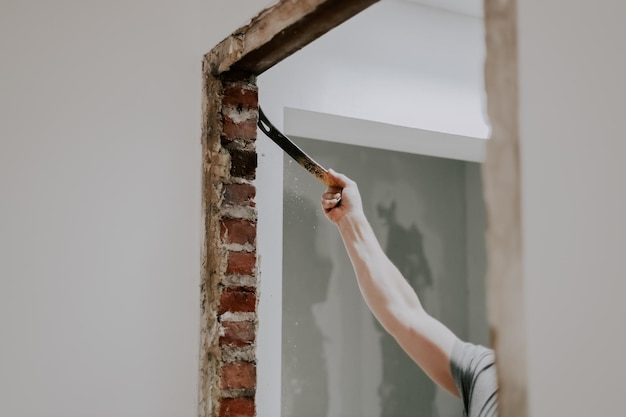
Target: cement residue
240,281
235,354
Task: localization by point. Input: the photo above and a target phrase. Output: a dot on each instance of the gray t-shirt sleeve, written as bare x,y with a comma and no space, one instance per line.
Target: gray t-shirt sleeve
474,372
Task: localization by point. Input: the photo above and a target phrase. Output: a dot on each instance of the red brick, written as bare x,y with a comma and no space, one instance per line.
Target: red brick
241,96
238,375
243,163
237,299
238,333
237,407
242,263
239,231
245,129
240,194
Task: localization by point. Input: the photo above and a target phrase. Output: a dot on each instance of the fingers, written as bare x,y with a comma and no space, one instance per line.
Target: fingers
333,197
330,200
339,183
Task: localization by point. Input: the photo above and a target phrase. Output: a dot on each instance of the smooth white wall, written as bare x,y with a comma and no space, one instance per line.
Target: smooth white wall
100,232
396,62
572,90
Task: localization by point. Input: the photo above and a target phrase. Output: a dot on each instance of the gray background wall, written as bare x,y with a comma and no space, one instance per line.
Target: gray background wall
337,360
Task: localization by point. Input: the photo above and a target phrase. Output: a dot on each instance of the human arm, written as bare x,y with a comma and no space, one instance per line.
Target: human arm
391,299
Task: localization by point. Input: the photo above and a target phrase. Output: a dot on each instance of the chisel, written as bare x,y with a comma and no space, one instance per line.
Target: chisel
293,150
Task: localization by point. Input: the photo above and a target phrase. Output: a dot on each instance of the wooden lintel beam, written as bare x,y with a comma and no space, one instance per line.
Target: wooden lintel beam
279,31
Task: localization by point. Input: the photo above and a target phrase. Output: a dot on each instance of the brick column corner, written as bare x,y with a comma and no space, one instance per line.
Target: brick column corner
227,385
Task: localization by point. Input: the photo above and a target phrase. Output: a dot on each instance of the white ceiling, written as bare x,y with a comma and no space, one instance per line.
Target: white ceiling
467,7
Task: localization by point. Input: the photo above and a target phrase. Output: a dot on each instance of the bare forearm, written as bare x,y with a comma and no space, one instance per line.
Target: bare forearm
395,304
391,299
389,296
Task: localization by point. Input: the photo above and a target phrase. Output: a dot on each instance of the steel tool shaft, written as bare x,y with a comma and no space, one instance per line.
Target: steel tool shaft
292,149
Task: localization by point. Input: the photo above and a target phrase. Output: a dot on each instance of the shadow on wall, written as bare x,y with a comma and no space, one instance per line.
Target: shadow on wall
416,392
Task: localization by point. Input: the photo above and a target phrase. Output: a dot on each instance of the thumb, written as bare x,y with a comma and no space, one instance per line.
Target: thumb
338,179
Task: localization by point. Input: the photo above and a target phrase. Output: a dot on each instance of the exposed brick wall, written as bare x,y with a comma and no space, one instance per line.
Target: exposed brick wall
230,110
229,282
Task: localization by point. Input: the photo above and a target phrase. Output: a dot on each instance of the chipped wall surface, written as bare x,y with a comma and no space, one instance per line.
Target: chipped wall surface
227,381
501,175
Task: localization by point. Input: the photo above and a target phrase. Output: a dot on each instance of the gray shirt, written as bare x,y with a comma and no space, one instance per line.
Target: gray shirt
474,372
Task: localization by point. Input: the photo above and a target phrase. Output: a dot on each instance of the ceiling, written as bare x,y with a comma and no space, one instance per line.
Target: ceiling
466,7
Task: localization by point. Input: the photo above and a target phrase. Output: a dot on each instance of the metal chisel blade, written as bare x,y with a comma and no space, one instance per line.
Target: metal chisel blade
293,150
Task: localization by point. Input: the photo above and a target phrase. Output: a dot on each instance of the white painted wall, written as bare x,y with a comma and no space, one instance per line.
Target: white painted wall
100,203
396,63
573,127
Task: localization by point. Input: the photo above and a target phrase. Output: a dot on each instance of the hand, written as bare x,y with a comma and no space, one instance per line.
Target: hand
342,199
